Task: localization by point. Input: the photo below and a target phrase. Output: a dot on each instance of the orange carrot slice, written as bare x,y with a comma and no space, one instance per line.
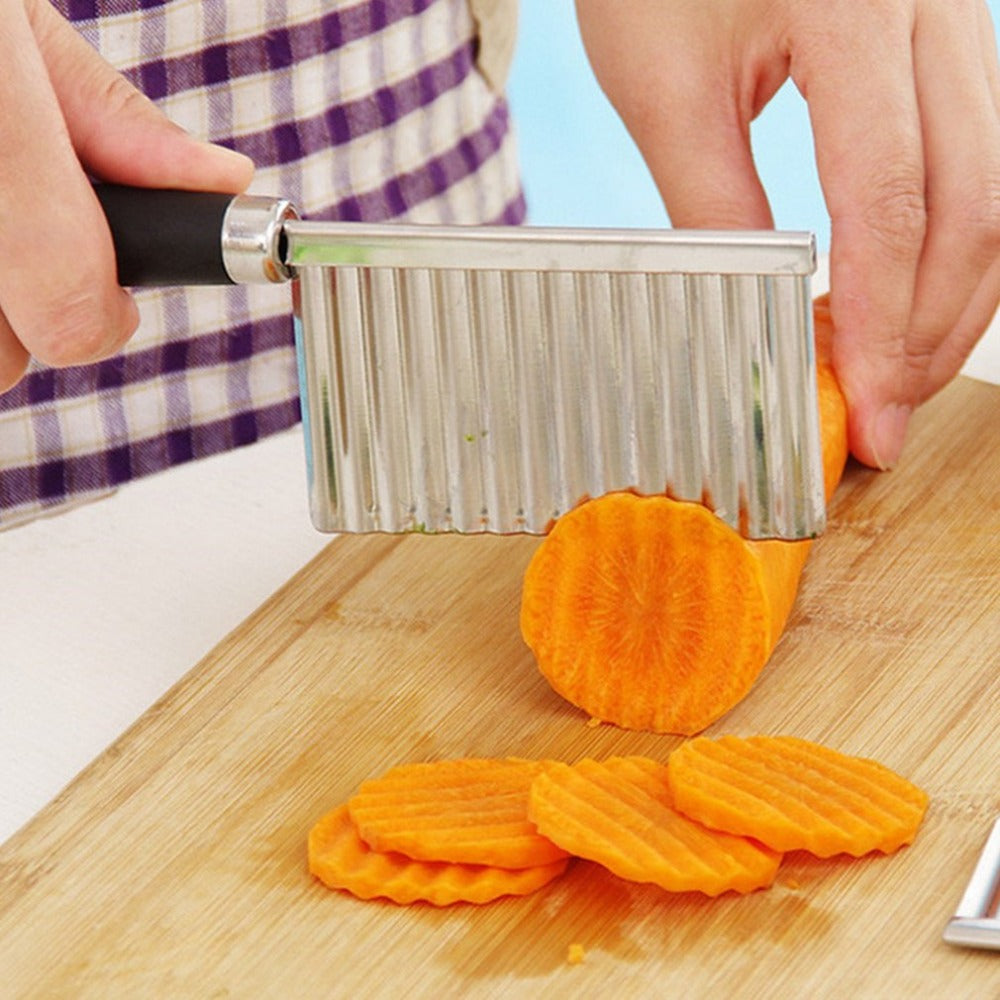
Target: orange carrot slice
652,613
618,813
468,811
793,794
623,605
340,859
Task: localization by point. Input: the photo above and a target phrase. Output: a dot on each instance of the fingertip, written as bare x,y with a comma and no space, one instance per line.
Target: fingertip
14,358
83,327
191,164
129,321
880,440
116,333
235,169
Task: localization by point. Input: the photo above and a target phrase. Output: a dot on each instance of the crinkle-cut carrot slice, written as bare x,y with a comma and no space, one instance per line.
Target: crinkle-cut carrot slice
647,612
618,813
468,811
340,859
794,794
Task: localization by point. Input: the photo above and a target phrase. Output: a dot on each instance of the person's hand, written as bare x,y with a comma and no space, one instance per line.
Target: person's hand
903,98
65,114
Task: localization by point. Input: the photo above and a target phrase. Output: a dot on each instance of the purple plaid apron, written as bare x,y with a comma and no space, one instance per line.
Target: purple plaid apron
353,110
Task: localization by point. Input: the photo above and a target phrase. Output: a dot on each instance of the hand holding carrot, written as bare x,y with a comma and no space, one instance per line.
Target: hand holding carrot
65,113
903,98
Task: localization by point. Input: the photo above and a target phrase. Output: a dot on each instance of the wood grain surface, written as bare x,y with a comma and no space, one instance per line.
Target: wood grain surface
174,866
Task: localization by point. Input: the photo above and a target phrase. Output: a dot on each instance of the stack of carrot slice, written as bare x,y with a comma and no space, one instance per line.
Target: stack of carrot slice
339,858
717,817
445,832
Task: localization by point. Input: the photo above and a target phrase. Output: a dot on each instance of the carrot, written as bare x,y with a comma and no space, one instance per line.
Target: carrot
340,859
717,817
793,794
782,562
467,811
646,612
652,613
618,813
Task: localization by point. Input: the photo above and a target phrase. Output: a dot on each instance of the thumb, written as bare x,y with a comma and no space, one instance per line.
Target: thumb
118,133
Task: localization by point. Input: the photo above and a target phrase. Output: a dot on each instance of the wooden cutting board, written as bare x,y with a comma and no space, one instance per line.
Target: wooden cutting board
174,866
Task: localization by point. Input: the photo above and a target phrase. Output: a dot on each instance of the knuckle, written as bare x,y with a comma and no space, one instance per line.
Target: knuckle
121,98
897,215
13,364
978,216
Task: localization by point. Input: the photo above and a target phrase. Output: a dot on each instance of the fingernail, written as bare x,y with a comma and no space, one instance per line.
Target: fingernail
888,434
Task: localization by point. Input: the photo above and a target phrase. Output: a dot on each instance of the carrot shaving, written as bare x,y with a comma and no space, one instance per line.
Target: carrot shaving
466,811
652,613
793,794
618,813
340,859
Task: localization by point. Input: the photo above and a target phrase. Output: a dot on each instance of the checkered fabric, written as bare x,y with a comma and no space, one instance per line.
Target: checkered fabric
353,110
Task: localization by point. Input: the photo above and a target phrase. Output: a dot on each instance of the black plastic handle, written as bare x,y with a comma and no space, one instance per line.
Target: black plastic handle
166,237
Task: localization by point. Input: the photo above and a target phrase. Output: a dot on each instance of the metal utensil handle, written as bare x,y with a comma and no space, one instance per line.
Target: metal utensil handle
976,923
168,237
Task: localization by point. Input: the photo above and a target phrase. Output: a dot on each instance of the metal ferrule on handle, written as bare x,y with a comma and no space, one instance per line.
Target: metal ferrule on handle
254,241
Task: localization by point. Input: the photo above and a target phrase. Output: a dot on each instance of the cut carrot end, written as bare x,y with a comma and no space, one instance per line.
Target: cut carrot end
647,612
